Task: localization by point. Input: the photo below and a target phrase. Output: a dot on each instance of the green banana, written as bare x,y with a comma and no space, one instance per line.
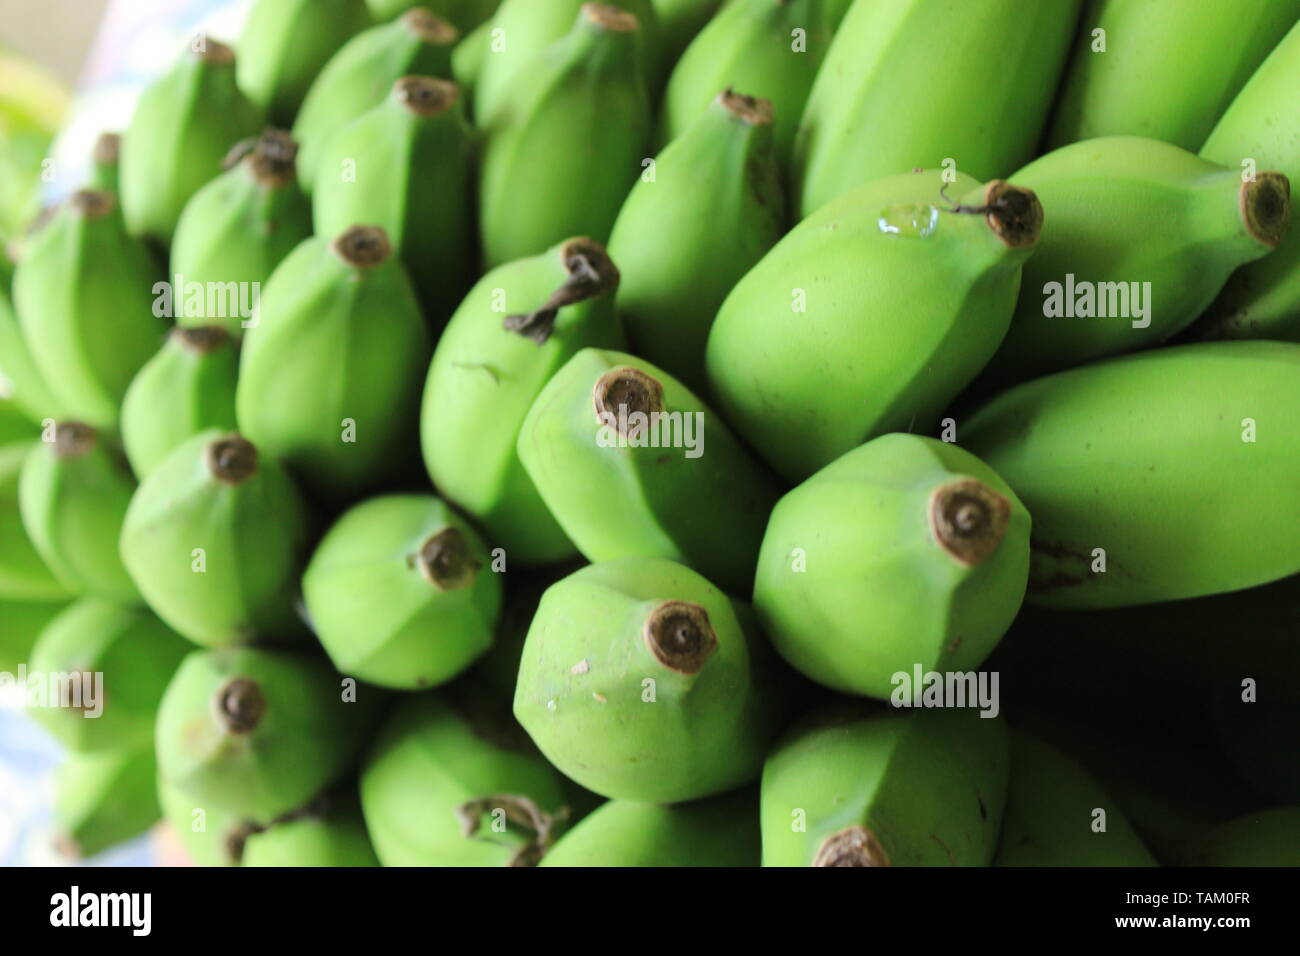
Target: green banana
1163,68
21,623
73,495
216,537
106,669
235,231
517,326
187,388
885,101
327,832
260,732
467,15
718,832
1153,477
808,358
84,294
679,23
103,799
767,48
407,166
642,681
24,575
686,236
863,788
1262,300
565,144
468,57
360,76
1051,816
450,782
104,163
391,572
285,44
521,30
1263,838
1141,237
20,380
183,125
210,835
906,551
343,413
631,463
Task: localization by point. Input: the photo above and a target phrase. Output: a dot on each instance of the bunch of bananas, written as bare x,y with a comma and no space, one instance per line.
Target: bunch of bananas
657,432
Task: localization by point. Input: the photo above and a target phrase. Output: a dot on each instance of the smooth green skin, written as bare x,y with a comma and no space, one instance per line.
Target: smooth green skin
1124,209
1048,819
307,739
805,387
286,43
24,575
886,100
465,14
105,176
626,502
565,145
722,831
1143,456
929,784
680,21
748,47
84,293
26,386
428,760
468,57
521,29
702,734
356,80
337,838
21,623
179,393
253,536
73,510
103,799
207,843
334,343
1262,300
136,653
1170,69
1263,838
234,231
685,238
182,128
378,617
481,383
414,176
875,593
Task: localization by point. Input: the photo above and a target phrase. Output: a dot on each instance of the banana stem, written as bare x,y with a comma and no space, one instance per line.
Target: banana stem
591,273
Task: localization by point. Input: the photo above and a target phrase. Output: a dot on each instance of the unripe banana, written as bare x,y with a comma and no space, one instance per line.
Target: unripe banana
450,782
522,29
235,231
885,101
808,357
407,167
679,23
862,788
327,832
467,60
110,666
84,295
73,495
767,48
21,623
1262,838
284,45
1051,816
718,832
564,146
1141,237
517,326
187,388
183,125
1163,68
215,538
1262,300
103,799
905,552
24,575
20,379
343,412
642,681
390,573
686,236
465,14
631,463
260,732
1153,477
360,76
104,163
210,835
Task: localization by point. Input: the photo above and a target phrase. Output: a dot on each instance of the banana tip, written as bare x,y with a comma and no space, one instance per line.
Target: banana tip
680,636
1266,207
853,846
